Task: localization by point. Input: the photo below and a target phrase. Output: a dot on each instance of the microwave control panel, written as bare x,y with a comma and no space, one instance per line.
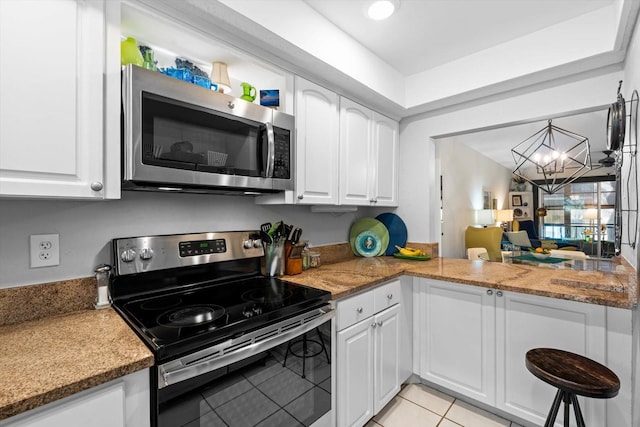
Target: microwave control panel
282,164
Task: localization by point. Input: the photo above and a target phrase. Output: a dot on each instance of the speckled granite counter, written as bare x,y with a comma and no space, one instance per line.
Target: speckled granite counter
51,358
46,358
615,289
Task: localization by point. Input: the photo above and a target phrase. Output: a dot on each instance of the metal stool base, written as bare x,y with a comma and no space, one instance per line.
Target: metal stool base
569,399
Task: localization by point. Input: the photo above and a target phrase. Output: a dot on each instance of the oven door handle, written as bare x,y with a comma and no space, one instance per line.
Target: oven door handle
199,363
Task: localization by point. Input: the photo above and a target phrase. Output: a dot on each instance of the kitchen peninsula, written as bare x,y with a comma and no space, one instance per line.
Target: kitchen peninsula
616,290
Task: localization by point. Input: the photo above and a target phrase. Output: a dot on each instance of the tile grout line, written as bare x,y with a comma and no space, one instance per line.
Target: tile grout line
419,405
444,417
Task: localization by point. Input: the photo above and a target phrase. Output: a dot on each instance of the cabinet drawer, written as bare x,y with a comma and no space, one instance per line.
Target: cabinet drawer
354,309
387,295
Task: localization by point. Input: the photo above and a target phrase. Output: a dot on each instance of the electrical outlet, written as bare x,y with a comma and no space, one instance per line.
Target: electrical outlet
44,250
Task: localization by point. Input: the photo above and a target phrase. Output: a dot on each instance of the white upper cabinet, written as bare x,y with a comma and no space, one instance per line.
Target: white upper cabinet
368,157
356,146
317,141
385,161
346,154
60,102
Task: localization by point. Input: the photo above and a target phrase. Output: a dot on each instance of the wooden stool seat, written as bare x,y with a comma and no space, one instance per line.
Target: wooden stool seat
572,375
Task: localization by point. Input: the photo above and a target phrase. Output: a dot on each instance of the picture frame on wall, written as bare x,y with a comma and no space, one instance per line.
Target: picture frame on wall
486,199
516,200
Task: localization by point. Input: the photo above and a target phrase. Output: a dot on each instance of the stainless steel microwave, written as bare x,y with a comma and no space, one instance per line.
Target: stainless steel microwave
178,136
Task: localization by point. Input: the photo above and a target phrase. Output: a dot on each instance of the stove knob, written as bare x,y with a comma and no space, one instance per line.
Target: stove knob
257,243
247,244
128,255
146,254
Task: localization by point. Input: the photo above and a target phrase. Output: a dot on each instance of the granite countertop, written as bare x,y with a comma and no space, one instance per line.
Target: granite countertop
614,289
47,359
60,346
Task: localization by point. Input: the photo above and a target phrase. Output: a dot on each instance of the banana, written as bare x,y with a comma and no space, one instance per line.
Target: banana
409,251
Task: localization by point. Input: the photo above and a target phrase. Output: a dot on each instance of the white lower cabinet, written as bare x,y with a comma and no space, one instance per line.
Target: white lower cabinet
457,338
526,321
119,403
369,345
473,341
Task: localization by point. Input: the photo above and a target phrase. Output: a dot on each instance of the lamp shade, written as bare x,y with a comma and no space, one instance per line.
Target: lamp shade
504,215
220,76
484,217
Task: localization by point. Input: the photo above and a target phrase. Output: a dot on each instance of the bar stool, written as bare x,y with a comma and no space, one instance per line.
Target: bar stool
572,375
305,350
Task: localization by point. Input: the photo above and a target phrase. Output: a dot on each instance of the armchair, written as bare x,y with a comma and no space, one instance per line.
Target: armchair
488,238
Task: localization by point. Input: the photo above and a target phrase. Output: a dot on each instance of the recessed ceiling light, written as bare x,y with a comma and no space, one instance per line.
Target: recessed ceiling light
381,9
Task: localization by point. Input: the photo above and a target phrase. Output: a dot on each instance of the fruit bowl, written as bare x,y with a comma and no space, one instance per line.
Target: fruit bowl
540,255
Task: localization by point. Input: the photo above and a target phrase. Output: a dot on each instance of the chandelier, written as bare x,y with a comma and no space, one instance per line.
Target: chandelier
552,158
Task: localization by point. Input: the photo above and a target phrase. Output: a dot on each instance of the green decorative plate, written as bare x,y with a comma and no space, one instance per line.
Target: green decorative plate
368,237
415,258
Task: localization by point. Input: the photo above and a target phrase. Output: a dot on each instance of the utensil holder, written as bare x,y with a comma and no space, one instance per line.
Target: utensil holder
273,259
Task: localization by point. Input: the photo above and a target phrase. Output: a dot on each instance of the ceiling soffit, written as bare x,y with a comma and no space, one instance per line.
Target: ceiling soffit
329,56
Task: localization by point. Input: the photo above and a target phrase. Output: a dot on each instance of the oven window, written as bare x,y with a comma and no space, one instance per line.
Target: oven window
263,390
183,137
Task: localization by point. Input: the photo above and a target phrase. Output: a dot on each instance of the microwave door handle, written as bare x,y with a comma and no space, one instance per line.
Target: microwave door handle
271,148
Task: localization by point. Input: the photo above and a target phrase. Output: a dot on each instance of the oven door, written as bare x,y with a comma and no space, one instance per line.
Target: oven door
277,376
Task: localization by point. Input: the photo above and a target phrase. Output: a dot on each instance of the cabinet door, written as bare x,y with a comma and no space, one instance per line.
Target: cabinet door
356,140
386,357
354,380
457,338
317,139
99,408
57,58
385,161
527,321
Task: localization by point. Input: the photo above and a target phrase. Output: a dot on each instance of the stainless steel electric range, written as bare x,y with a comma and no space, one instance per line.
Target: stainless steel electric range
231,347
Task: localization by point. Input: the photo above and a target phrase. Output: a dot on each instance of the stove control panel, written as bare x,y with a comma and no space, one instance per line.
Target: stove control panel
202,247
134,255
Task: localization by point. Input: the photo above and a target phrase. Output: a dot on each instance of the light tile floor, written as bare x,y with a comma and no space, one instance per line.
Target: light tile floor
419,405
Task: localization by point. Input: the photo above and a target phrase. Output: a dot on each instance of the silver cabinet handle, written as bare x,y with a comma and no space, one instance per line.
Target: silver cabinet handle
489,292
359,309
96,186
380,324
373,325
300,196
390,296
499,293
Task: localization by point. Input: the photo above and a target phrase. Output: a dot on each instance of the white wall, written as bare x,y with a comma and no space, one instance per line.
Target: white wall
466,175
87,227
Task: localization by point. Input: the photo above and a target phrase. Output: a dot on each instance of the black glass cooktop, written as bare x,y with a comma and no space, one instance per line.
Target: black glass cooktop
176,322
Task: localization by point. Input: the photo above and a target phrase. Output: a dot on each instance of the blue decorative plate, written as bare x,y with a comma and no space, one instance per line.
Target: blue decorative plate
367,244
368,237
397,231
